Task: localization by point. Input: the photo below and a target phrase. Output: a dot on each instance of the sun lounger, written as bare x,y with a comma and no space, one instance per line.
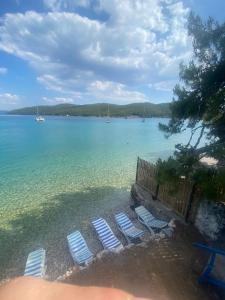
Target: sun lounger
106,236
35,265
146,218
127,227
79,249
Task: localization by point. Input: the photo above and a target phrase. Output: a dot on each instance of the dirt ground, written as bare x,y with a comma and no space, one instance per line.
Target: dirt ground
164,270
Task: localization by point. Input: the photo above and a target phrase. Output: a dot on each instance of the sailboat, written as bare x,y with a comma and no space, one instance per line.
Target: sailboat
108,116
38,117
143,119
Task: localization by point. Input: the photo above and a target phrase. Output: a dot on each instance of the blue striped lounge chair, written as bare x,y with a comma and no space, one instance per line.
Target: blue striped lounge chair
79,249
146,218
125,225
106,236
35,265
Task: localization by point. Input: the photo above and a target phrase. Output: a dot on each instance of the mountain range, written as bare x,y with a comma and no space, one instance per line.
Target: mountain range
99,109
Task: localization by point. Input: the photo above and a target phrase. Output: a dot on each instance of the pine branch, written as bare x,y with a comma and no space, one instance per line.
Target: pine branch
200,137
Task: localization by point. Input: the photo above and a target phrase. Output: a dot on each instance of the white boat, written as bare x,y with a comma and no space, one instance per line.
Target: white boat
144,114
108,117
38,117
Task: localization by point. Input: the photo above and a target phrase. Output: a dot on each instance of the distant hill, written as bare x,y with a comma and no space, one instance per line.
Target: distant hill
99,109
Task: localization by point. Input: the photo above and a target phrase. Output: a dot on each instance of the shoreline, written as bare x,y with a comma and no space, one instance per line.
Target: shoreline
53,240
58,259
129,117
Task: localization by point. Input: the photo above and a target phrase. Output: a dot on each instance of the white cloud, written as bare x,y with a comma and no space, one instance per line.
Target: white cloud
165,86
58,100
3,71
114,92
132,13
105,91
59,5
140,42
9,99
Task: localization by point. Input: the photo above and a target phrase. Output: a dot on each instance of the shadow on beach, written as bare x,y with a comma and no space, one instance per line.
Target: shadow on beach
49,224
160,269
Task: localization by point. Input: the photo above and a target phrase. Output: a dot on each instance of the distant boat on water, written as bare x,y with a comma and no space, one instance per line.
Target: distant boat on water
144,114
39,118
108,116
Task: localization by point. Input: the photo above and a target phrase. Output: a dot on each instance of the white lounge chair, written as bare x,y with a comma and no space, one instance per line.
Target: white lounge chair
79,249
35,265
106,236
127,227
146,218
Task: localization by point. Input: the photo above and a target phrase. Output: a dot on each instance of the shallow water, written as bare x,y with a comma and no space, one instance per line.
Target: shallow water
39,161
67,163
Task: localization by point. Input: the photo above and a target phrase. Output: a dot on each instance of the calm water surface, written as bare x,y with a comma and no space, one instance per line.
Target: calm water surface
41,160
57,175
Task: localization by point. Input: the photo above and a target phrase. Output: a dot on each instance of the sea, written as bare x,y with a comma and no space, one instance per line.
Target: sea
67,169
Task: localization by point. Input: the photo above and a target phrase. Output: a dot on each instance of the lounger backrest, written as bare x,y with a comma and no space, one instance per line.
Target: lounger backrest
123,221
35,265
143,213
76,241
105,234
78,248
102,227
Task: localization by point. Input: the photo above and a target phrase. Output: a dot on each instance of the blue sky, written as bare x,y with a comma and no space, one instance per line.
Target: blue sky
87,51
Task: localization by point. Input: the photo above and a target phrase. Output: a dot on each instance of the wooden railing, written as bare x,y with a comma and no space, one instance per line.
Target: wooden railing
181,200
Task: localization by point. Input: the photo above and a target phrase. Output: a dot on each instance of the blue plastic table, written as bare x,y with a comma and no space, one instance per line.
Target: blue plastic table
206,274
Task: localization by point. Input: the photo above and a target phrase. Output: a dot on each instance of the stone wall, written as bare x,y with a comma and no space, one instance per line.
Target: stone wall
210,219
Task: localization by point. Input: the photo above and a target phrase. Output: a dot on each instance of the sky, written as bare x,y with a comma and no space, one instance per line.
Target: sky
91,51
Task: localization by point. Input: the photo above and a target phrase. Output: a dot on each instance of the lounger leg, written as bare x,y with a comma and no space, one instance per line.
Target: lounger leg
151,230
168,231
128,240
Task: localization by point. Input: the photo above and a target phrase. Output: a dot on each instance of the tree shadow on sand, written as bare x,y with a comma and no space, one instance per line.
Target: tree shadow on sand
49,224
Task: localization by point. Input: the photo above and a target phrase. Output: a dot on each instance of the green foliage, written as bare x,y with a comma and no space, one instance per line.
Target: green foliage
100,110
199,105
199,100
211,182
170,173
167,171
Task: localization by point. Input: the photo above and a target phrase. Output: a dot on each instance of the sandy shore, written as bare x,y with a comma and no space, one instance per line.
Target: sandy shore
164,269
62,265
53,225
49,226
159,267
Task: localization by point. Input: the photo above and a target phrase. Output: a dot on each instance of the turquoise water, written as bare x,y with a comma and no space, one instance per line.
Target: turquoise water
39,161
57,175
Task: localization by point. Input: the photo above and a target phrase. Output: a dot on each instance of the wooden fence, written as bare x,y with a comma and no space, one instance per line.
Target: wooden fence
183,201
145,176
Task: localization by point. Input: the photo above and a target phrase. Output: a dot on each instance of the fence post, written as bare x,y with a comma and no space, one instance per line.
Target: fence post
190,201
137,170
155,197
